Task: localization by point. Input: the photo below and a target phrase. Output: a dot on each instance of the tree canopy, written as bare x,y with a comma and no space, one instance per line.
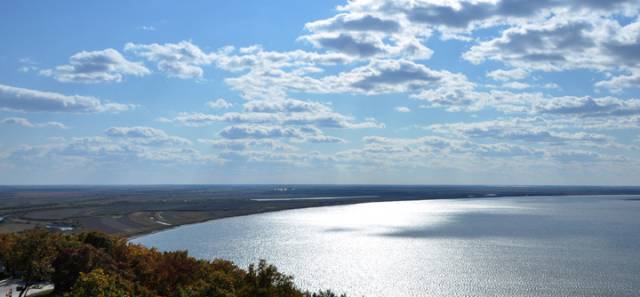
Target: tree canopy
99,265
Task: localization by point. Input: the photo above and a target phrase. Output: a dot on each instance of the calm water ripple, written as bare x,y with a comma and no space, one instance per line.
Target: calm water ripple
542,246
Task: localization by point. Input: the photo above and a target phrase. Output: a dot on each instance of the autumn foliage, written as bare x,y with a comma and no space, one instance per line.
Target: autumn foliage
95,264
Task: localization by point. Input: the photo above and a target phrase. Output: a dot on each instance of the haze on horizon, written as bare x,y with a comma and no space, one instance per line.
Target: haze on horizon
368,91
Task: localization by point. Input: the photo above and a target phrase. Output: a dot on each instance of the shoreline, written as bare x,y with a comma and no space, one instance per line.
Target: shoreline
171,227
132,212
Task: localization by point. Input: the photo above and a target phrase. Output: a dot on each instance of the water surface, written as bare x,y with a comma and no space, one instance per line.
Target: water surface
523,246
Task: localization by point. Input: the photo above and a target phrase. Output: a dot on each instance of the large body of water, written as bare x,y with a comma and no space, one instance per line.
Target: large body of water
523,246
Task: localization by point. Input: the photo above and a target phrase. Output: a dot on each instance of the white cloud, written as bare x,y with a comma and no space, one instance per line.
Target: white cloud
506,75
28,124
516,85
355,22
565,41
285,105
621,82
351,44
219,104
95,67
147,135
588,106
104,152
519,130
365,35
279,112
20,99
182,60
551,86
465,15
580,156
245,144
432,152
253,131
275,122
402,109
147,28
254,57
454,93
390,76
28,65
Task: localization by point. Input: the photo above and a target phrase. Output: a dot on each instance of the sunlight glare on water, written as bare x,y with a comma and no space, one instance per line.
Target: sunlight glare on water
560,246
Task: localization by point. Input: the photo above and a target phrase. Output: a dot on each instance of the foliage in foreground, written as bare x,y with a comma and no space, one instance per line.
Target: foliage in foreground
99,265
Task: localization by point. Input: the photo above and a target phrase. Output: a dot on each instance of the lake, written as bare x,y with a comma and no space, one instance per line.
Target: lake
521,246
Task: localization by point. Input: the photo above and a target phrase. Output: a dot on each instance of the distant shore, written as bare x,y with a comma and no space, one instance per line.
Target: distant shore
133,211
351,202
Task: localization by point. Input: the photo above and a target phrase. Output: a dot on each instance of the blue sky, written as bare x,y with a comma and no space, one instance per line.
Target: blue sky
367,91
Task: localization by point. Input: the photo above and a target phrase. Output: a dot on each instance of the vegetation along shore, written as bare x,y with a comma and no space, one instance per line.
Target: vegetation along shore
96,264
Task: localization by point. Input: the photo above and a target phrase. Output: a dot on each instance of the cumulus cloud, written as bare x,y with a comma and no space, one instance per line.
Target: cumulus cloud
381,76
578,156
472,14
269,74
516,85
245,144
355,22
402,109
182,60
279,112
374,47
438,87
97,151
596,123
95,67
351,44
391,76
506,75
589,107
304,133
28,124
548,46
563,42
219,104
285,105
272,123
255,57
147,135
366,35
327,120
546,35
433,152
621,82
518,130
453,93
20,99
625,44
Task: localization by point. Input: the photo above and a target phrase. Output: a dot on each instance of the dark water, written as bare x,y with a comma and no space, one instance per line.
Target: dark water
542,246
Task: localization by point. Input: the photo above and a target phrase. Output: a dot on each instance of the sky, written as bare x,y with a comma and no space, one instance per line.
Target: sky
509,92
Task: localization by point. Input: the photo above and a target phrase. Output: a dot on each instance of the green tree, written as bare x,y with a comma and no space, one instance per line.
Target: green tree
71,261
31,257
100,265
267,281
7,243
98,284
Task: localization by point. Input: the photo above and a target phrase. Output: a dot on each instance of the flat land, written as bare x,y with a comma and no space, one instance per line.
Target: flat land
135,210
